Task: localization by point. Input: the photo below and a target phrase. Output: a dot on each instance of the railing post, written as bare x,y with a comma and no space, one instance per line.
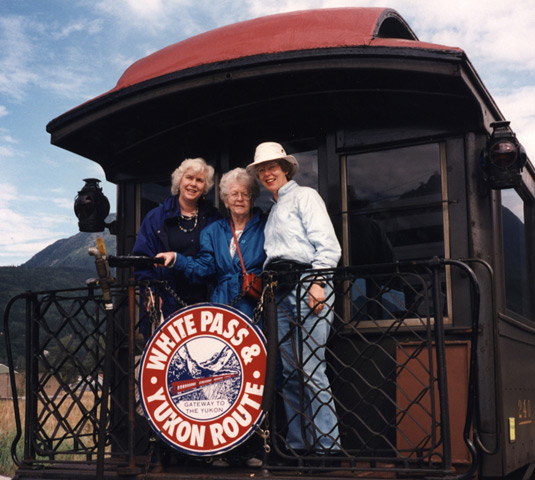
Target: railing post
32,374
131,468
104,282
442,379
271,328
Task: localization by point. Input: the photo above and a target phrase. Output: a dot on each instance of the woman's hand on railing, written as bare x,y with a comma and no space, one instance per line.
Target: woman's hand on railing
168,257
316,297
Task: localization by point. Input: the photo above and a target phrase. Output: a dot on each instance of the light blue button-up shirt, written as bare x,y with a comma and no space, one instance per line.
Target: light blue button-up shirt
299,229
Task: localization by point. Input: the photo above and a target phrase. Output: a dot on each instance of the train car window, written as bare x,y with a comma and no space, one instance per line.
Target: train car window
307,175
515,254
394,213
152,195
395,205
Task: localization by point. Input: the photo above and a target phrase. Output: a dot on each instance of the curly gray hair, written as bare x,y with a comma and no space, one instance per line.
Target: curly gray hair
241,176
197,165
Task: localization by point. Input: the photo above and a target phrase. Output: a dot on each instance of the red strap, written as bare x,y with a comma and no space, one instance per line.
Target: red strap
237,246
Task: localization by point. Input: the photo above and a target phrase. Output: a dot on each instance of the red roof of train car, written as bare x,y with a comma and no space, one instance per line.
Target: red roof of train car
285,32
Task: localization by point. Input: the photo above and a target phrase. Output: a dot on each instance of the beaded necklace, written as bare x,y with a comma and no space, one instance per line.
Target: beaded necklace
188,218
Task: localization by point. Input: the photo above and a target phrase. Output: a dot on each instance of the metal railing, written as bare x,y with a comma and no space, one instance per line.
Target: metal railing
384,361
386,365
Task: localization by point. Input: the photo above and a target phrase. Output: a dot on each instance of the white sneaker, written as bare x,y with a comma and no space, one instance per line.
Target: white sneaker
254,462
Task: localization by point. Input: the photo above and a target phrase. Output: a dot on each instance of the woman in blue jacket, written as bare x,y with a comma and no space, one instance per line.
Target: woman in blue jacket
177,225
217,257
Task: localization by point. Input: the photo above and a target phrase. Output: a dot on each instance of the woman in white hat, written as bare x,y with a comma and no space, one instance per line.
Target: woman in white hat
299,235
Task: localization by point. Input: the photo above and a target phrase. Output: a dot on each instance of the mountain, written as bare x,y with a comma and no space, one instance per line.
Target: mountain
72,252
63,265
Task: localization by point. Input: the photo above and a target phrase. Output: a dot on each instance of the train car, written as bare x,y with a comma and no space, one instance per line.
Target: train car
432,355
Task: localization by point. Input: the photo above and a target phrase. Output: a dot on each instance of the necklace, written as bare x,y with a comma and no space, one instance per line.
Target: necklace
189,218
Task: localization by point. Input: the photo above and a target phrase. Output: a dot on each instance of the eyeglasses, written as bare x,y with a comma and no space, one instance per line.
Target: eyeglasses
236,195
267,167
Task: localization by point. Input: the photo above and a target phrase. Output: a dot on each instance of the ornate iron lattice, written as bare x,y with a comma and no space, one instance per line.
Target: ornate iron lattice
380,361
384,360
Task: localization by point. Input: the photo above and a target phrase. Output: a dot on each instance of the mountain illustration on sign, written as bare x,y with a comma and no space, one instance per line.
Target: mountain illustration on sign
193,379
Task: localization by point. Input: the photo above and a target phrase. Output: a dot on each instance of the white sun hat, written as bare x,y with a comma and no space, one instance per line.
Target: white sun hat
268,151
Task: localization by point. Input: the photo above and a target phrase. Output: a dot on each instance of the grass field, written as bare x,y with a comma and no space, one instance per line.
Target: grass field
7,434
52,425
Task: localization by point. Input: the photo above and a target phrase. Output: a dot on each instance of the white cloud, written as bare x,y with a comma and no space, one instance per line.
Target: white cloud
490,30
92,27
145,7
22,234
517,106
15,57
150,16
7,138
8,148
270,7
65,203
51,57
6,152
7,143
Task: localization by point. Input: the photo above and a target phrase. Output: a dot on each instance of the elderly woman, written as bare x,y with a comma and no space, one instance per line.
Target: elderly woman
217,258
176,225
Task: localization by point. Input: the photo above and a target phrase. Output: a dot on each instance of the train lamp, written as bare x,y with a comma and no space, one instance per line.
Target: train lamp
92,207
503,158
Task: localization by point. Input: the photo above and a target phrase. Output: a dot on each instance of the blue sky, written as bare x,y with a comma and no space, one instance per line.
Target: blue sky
57,54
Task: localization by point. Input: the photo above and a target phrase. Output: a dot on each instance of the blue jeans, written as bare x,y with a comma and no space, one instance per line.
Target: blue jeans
312,424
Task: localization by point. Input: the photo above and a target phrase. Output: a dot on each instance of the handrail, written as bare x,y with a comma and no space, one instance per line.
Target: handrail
12,379
473,375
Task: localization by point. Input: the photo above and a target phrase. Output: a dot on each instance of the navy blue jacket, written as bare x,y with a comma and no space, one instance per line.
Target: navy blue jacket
214,261
154,237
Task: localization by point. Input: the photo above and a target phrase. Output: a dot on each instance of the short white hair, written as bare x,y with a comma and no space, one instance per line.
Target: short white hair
242,177
197,165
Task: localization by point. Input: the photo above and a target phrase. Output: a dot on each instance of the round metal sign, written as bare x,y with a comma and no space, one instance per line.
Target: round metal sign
202,378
